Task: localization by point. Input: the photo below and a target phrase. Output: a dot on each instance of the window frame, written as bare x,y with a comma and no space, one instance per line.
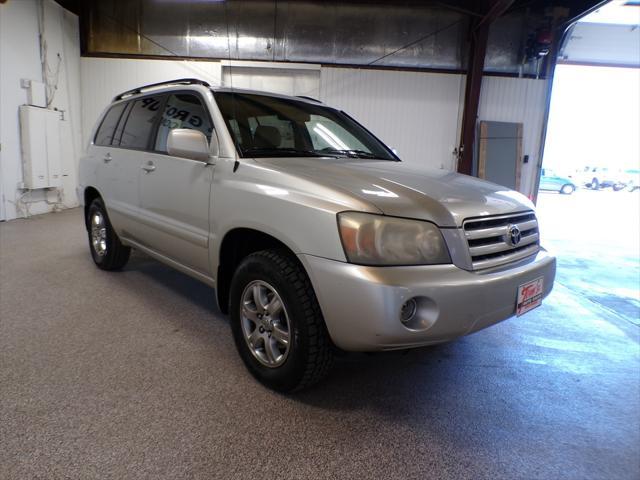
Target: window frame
156,126
131,102
238,148
104,117
121,123
126,112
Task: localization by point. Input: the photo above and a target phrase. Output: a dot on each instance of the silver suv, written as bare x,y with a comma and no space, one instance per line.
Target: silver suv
316,237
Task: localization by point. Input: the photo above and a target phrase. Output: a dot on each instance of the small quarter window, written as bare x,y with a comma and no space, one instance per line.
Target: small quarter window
104,135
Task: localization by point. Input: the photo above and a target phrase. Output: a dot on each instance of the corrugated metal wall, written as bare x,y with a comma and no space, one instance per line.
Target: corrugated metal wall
517,100
414,112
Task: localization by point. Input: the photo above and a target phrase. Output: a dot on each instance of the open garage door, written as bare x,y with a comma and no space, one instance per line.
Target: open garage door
589,199
608,37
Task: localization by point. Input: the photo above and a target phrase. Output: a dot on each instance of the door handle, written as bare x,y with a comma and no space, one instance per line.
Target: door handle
148,167
107,158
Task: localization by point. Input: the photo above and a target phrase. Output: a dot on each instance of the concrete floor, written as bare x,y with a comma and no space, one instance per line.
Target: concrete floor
134,375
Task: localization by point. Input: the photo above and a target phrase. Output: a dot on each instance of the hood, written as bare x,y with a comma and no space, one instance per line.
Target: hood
397,189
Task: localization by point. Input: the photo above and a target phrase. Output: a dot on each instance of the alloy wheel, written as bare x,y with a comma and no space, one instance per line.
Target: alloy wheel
99,234
265,324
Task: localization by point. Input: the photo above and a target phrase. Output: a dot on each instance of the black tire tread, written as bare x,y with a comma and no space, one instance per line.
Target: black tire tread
117,254
320,358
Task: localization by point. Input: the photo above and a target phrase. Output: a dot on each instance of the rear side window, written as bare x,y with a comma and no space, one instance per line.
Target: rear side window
104,135
140,121
123,118
182,110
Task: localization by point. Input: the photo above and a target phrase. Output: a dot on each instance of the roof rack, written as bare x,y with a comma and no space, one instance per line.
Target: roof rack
179,81
309,98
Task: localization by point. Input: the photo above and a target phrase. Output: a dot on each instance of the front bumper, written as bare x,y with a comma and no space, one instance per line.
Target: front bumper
361,305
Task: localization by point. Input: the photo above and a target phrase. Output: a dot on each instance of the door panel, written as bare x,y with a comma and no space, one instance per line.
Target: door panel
117,172
547,184
175,204
175,192
132,136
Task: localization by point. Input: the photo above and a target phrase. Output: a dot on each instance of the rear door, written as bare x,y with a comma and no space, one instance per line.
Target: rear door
114,169
546,182
175,192
131,140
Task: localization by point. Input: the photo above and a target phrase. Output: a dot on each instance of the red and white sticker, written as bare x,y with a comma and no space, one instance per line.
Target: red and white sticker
529,296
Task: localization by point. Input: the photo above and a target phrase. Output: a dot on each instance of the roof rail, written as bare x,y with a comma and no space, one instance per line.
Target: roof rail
309,98
179,81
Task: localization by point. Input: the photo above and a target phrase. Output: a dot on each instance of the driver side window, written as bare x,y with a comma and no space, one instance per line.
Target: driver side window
182,110
284,127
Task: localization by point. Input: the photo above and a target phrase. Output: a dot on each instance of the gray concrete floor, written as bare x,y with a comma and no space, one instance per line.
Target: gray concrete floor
134,375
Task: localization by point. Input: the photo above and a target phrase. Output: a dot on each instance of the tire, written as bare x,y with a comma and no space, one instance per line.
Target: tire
261,278
567,189
617,187
107,251
595,184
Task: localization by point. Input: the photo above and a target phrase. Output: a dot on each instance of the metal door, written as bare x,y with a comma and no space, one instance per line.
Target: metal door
500,153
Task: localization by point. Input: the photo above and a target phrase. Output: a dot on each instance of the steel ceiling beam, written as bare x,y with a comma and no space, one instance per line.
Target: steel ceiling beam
478,37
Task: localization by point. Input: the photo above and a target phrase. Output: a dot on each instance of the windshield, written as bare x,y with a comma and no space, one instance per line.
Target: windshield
265,126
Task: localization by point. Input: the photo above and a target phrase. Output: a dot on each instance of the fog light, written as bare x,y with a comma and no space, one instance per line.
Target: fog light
408,310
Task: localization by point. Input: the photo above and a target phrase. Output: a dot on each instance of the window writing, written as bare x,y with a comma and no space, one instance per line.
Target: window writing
182,110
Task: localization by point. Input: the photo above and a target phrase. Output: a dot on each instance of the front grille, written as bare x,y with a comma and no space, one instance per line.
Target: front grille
491,242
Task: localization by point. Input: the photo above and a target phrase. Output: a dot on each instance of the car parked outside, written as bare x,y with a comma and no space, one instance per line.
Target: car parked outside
597,178
316,237
631,179
549,181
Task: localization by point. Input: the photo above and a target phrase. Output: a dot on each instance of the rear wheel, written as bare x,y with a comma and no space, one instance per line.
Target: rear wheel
107,251
276,321
567,189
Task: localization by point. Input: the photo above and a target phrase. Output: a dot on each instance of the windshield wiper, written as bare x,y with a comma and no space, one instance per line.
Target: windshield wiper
281,152
353,153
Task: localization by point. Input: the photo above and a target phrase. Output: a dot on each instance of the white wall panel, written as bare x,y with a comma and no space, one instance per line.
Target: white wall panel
517,100
63,37
104,78
20,59
278,80
416,113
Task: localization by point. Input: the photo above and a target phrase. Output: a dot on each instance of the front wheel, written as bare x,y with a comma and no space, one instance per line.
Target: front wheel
567,189
107,251
276,321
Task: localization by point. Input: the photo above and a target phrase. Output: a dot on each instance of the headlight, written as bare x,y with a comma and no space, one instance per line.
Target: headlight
370,239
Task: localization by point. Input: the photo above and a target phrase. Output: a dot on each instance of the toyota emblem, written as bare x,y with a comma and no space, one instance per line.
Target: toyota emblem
514,235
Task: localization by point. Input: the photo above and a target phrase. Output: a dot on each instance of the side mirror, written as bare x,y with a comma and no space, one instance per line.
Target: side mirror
187,143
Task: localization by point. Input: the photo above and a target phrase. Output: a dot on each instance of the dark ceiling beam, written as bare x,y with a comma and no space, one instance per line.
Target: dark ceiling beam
478,36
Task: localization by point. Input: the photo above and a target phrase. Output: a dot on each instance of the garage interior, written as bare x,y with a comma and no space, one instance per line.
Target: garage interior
134,374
